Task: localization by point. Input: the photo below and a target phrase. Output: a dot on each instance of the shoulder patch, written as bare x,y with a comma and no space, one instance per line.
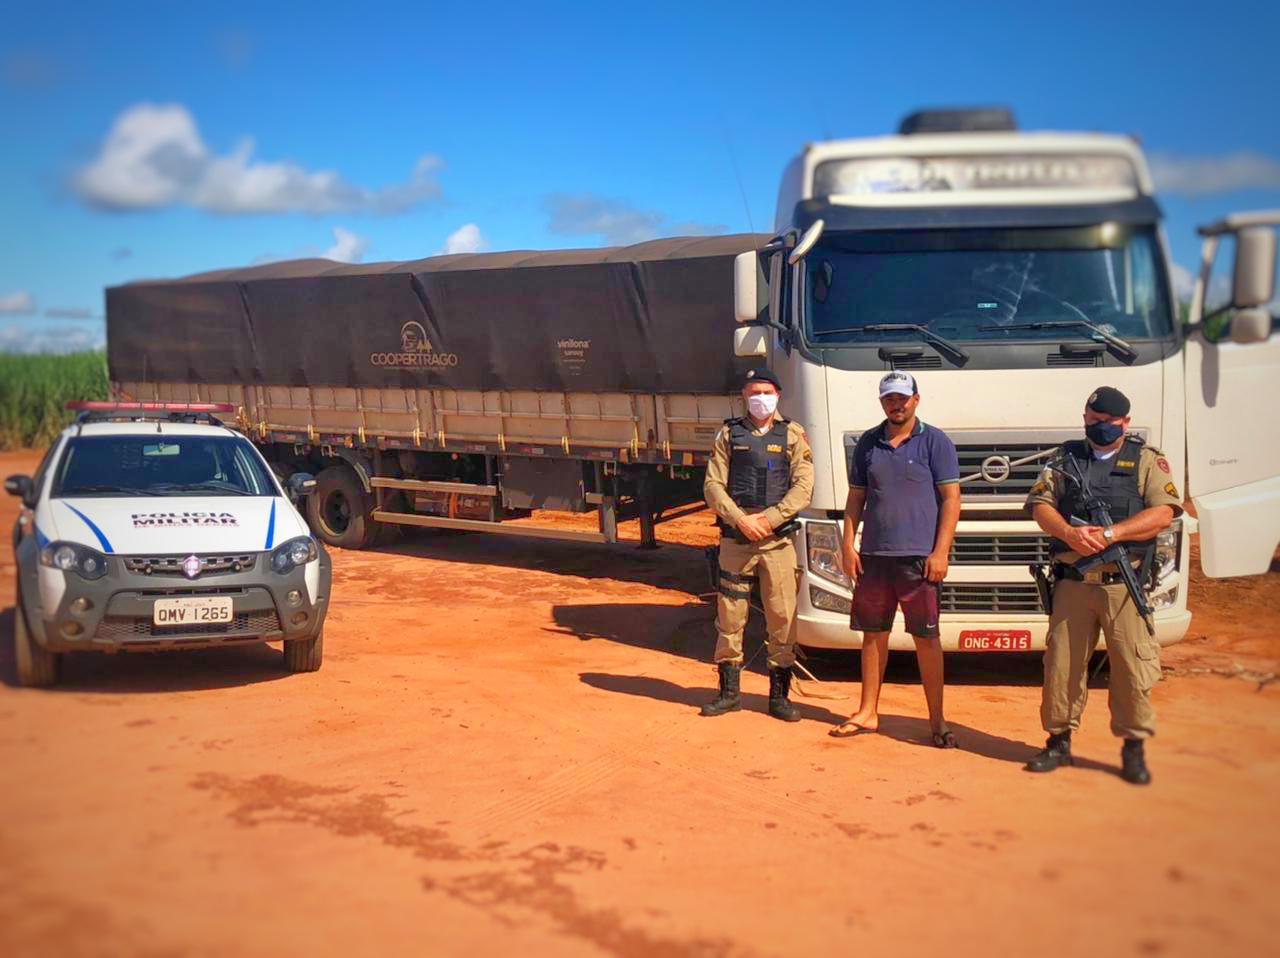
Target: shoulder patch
1171,489
1163,463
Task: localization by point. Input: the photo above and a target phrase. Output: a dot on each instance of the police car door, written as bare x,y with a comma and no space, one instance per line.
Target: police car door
1232,393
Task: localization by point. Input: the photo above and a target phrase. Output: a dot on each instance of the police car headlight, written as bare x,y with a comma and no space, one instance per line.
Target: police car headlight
72,557
287,557
824,543
1168,551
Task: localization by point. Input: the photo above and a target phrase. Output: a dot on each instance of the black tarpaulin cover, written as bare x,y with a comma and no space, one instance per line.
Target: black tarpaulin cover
655,317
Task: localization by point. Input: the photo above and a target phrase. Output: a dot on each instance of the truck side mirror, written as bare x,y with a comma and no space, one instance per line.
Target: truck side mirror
750,290
751,342
1250,326
1255,268
301,484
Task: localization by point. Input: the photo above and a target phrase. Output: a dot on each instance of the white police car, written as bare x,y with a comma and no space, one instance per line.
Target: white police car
153,526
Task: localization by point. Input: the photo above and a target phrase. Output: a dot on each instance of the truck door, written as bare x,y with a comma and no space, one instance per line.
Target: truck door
1233,403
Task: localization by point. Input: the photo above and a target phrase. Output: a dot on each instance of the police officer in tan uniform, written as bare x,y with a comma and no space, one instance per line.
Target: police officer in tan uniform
1135,481
758,479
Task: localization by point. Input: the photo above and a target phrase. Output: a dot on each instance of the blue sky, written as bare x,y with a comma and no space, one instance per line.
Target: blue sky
145,140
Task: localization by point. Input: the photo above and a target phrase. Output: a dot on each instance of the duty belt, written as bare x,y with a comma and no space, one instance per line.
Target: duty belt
1096,577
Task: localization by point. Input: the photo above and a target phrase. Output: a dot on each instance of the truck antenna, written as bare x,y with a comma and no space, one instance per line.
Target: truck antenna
737,175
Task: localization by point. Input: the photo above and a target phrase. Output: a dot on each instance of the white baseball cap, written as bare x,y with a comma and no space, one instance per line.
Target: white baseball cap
904,384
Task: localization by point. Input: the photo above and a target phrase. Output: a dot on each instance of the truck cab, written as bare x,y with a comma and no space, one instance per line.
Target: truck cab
1012,274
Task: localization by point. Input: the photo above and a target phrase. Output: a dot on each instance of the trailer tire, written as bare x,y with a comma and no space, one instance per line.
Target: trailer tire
34,665
340,512
304,655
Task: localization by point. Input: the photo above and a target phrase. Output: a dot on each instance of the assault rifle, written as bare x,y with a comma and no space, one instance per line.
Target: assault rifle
1100,515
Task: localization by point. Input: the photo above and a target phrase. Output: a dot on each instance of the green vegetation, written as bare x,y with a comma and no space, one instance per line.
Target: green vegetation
34,390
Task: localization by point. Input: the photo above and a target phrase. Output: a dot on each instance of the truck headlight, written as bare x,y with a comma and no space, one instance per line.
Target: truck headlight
72,557
824,542
1166,579
288,556
1168,550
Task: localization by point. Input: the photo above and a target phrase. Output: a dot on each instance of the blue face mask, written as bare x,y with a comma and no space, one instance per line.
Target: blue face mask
1103,433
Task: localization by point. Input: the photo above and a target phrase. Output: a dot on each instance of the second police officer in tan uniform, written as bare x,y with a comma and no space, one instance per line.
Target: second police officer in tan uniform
758,479
1134,480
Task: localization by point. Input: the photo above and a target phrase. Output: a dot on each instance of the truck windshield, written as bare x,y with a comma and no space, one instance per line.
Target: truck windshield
160,466
987,285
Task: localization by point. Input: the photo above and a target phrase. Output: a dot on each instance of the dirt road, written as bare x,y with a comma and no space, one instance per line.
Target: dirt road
502,755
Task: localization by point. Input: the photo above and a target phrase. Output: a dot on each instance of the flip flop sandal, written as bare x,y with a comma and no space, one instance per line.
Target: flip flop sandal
945,739
849,730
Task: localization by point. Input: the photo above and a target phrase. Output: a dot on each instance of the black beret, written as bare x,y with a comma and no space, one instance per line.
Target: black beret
1109,402
761,375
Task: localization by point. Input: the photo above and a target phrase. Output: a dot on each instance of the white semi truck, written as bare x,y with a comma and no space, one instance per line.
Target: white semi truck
1012,273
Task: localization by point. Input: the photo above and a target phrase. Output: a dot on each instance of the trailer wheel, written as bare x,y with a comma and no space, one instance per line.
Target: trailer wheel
304,655
35,666
340,512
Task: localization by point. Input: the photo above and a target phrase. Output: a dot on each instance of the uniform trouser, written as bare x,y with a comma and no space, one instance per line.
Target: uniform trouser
1080,609
773,562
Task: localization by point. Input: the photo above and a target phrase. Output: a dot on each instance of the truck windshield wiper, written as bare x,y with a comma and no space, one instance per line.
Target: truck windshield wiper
1114,341
944,346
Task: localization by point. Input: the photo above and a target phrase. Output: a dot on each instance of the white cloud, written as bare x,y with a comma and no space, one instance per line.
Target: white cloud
1184,284
16,338
347,246
68,312
19,303
154,156
1204,175
613,221
465,239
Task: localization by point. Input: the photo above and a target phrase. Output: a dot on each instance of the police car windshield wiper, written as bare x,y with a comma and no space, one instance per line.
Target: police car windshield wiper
944,346
98,489
209,486
1113,341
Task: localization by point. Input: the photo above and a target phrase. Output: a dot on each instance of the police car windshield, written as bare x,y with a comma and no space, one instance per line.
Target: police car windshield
987,285
102,466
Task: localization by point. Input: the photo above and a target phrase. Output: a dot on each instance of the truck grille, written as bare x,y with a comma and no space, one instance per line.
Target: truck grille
219,564
243,623
1020,477
990,597
1000,550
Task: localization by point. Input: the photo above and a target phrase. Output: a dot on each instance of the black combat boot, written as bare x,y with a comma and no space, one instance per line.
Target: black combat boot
779,689
730,697
1133,763
1057,751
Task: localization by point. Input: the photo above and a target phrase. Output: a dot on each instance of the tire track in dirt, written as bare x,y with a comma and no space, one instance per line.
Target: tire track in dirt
530,882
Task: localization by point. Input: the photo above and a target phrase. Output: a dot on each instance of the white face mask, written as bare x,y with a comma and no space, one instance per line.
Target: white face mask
762,405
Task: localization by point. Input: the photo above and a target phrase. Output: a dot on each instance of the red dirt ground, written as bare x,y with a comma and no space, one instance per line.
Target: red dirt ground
502,753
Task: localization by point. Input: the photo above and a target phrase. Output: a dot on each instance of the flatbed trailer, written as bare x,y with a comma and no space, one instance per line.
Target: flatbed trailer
459,391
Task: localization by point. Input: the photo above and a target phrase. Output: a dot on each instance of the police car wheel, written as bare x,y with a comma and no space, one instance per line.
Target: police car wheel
339,510
304,655
35,666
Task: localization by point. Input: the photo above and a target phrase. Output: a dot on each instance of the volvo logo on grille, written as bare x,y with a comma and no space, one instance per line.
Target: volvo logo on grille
191,566
996,469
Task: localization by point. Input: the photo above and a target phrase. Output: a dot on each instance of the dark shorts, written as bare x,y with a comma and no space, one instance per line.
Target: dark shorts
886,583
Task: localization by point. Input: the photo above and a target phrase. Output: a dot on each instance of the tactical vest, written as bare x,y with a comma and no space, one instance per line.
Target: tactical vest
1114,480
759,465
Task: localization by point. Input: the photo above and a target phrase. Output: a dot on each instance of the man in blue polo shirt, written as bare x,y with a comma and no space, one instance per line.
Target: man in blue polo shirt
904,489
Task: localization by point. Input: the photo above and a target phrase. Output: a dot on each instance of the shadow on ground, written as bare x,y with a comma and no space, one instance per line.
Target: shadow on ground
190,670
676,567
